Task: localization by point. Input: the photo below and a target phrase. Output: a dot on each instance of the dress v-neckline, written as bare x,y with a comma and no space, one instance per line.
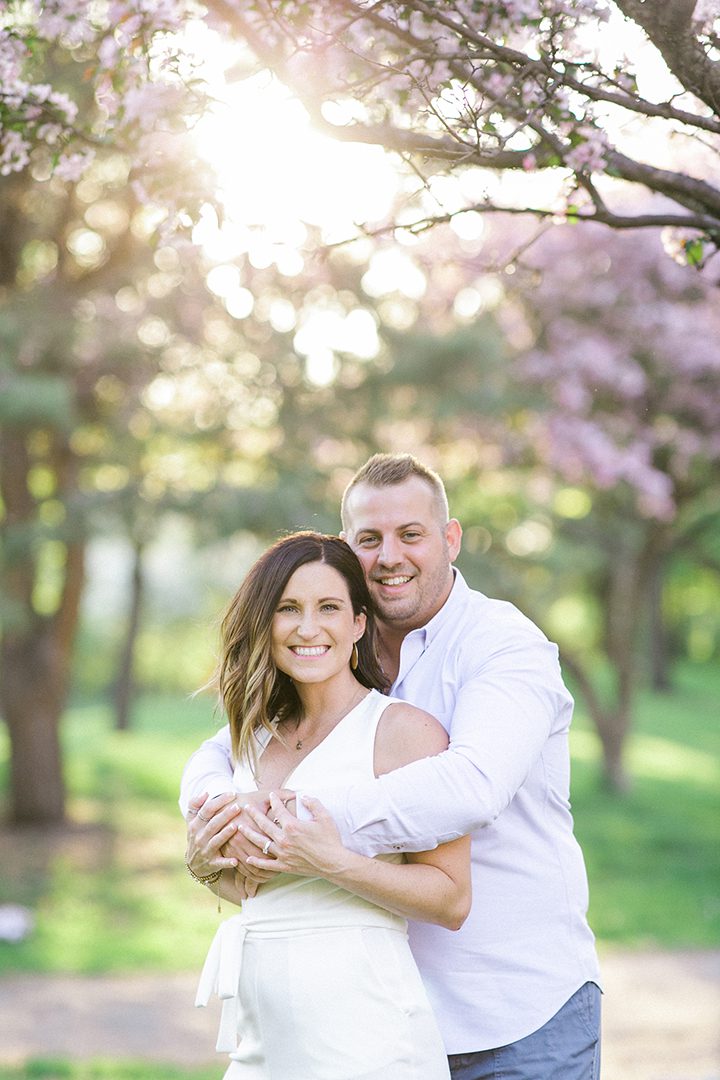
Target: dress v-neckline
310,753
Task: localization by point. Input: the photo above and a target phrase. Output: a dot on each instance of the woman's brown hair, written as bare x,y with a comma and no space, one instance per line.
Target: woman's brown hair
252,689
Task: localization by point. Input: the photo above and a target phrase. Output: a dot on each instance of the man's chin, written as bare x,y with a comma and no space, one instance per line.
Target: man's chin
394,612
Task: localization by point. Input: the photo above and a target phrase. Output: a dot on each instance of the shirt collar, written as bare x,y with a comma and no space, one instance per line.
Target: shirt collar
454,604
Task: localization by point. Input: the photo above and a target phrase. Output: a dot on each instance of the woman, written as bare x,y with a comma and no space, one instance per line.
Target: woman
317,974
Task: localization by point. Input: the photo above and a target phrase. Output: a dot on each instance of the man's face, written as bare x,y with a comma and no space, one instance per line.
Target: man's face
405,547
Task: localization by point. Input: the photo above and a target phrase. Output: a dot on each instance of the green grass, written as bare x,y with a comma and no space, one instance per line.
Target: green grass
110,892
653,856
61,1069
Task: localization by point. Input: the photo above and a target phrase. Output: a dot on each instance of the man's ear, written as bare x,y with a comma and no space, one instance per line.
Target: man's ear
453,535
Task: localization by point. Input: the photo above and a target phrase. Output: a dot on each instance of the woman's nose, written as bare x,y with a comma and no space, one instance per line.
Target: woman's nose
307,626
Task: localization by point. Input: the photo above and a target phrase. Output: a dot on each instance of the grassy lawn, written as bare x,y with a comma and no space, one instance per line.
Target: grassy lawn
56,1069
110,892
653,856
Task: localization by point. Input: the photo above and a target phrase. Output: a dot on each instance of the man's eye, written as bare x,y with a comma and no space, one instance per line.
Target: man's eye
367,541
411,535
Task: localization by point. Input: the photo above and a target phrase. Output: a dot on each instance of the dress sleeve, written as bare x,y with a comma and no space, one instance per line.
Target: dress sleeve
209,769
505,712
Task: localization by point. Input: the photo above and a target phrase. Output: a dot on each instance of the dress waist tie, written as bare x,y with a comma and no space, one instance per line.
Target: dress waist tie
221,975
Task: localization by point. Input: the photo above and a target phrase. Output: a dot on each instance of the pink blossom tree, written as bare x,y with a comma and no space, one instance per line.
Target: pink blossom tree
513,86
79,79
577,423
628,356
492,89
576,419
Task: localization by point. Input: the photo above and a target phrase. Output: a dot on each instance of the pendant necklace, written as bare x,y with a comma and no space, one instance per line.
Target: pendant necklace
353,703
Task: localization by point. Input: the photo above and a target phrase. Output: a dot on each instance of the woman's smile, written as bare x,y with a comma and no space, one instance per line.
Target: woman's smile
313,622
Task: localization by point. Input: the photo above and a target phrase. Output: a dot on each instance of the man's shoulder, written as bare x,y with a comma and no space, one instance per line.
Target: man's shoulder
489,615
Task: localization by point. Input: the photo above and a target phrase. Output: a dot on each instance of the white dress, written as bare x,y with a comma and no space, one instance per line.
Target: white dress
318,984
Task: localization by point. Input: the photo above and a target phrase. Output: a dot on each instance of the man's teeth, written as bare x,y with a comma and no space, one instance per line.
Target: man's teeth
394,580
310,650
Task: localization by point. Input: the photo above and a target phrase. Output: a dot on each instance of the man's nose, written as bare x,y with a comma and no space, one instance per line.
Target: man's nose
389,553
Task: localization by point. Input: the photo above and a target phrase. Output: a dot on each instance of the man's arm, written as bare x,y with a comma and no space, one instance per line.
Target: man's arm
209,770
504,714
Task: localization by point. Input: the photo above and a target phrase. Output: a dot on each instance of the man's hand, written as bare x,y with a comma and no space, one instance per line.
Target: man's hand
211,823
309,848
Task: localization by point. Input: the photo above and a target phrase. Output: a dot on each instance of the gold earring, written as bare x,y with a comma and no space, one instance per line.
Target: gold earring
354,657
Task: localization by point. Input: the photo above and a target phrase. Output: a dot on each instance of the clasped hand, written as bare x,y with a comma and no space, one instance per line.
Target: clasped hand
309,848
215,840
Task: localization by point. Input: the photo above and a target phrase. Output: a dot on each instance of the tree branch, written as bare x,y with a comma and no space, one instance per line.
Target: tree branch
668,24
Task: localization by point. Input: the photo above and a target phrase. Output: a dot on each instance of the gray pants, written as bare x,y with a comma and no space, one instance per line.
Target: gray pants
566,1048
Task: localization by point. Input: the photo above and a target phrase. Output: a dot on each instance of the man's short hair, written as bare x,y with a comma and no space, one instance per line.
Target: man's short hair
386,470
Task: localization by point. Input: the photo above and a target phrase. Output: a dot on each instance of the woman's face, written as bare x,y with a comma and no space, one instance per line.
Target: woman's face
314,627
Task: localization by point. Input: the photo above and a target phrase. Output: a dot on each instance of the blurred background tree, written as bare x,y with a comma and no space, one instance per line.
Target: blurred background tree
178,358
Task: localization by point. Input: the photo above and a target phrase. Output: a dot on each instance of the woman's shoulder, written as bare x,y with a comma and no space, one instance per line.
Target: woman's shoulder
406,733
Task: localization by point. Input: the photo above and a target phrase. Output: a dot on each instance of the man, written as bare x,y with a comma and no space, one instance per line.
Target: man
516,989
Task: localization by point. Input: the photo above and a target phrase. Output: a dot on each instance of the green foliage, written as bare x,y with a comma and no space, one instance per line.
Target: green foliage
695,251
34,398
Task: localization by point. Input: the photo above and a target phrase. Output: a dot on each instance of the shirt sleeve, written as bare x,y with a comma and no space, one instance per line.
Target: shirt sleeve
209,769
504,714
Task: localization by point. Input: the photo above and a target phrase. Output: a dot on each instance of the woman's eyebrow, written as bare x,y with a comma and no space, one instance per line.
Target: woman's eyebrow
320,600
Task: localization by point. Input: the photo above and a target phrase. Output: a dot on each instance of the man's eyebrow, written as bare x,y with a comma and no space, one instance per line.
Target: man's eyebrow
399,528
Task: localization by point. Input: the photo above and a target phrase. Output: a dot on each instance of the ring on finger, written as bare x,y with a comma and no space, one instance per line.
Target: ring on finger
266,847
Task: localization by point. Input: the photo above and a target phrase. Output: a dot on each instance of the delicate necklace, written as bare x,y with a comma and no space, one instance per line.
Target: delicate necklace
355,700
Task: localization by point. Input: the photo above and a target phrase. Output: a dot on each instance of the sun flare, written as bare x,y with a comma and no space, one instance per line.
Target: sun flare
276,173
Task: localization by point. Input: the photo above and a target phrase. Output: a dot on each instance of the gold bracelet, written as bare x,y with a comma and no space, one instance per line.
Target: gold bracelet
207,879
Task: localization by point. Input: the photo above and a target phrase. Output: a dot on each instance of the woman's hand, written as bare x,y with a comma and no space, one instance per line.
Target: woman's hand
216,842
308,848
211,823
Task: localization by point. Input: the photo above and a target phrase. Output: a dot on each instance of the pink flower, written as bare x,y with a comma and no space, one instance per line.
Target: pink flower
71,167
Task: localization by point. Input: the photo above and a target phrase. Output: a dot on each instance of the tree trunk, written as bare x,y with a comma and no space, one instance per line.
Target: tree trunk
125,684
609,723
36,649
32,705
35,659
612,727
626,598
659,652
